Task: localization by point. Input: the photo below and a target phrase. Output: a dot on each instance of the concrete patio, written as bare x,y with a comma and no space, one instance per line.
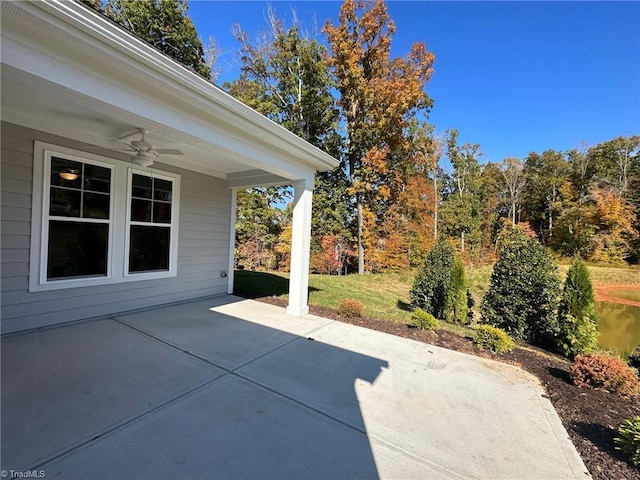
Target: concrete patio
233,388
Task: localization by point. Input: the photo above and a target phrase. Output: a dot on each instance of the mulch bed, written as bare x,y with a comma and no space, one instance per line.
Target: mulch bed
590,416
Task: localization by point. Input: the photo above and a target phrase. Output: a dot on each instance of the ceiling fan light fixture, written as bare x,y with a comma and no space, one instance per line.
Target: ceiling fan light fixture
70,176
142,159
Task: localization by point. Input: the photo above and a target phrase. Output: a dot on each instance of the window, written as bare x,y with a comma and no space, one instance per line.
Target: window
150,214
97,220
78,219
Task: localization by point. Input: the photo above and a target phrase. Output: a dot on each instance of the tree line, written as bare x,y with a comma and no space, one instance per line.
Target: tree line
400,186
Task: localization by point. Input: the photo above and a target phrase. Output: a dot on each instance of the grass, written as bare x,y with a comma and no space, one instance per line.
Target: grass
386,295
601,275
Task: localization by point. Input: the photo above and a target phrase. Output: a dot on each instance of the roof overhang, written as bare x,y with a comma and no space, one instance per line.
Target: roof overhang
69,71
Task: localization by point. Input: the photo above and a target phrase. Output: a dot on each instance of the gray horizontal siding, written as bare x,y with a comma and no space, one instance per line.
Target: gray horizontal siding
202,247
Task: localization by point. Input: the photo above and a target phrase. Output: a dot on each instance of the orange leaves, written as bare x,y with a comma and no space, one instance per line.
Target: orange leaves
380,97
334,255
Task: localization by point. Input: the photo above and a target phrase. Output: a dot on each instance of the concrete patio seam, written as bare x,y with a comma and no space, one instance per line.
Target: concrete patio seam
85,442
210,362
249,379
299,402
420,458
279,347
170,344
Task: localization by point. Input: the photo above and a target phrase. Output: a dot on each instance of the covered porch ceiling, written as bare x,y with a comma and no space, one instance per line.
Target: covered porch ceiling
68,71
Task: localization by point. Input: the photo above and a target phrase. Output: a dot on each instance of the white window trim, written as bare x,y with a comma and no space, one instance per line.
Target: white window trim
173,236
118,255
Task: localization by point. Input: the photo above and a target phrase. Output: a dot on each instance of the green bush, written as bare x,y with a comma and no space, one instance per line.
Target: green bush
609,373
628,439
494,339
350,308
439,288
458,293
577,320
424,320
523,291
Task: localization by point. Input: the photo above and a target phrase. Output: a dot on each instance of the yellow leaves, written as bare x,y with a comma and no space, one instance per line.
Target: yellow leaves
612,211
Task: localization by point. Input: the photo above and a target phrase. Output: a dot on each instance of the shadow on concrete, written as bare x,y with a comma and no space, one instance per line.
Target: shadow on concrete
184,391
250,284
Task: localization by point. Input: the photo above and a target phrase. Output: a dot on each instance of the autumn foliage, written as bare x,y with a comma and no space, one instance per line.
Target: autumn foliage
400,185
605,372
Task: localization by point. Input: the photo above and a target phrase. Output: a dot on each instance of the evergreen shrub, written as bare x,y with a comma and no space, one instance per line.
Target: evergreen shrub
457,294
423,320
439,287
628,439
609,373
350,308
494,339
577,320
523,293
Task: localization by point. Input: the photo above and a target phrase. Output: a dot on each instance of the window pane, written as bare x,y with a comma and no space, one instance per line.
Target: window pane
161,212
140,210
162,190
148,249
141,186
63,172
64,203
95,205
97,179
77,249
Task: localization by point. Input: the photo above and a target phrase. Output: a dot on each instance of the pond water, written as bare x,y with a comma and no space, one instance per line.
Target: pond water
619,326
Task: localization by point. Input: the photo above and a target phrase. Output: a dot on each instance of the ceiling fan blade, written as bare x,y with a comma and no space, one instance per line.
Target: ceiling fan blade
168,151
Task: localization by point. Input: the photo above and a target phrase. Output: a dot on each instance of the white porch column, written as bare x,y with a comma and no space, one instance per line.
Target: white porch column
300,248
232,239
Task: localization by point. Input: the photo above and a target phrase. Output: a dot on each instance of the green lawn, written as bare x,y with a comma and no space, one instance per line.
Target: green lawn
386,295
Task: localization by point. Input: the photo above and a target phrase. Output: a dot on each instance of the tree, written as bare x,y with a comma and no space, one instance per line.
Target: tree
544,176
332,256
612,219
378,98
166,25
258,229
492,207
577,320
619,155
523,291
460,210
284,76
581,165
512,172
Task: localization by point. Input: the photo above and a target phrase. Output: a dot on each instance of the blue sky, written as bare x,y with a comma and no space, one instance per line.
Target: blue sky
513,77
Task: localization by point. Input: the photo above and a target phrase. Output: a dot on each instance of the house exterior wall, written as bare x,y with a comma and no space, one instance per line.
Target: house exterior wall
203,246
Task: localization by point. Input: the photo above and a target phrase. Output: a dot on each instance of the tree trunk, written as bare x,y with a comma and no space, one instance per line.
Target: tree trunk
435,207
360,245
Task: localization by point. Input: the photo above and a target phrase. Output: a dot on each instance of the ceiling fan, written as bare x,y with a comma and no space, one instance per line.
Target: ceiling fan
145,154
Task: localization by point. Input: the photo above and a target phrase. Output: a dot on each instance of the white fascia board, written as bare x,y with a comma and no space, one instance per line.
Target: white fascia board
143,70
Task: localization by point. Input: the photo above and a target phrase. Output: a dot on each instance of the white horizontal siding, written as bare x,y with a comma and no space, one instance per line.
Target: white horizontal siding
203,246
